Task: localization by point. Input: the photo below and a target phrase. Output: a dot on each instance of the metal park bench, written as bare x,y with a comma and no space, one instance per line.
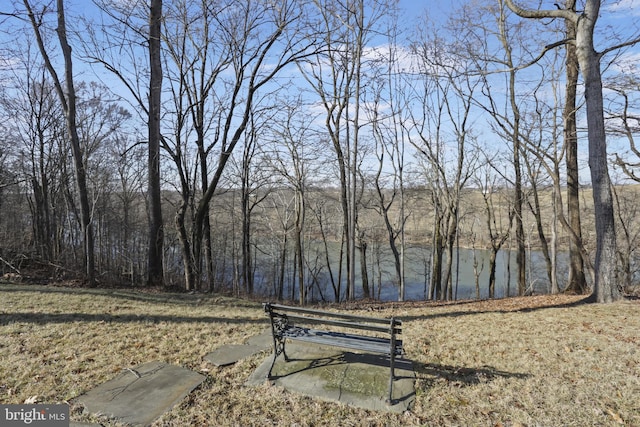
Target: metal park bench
285,321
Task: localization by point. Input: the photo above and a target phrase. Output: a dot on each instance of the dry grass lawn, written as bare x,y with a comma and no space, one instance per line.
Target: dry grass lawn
536,361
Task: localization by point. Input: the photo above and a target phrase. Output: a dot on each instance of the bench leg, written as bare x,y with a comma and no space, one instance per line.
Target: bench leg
278,349
392,362
273,362
279,323
392,377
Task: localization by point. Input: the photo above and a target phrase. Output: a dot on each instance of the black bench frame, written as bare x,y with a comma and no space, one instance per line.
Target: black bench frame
282,319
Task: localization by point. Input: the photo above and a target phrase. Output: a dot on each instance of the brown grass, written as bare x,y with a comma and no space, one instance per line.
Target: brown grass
536,361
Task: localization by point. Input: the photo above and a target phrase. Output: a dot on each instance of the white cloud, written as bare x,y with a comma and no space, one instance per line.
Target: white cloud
629,7
627,63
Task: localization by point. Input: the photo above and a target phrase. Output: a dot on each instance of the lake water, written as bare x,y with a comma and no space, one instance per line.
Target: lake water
417,272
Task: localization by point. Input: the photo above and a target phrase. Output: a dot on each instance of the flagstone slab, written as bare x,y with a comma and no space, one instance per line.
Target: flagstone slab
139,395
333,375
263,340
231,353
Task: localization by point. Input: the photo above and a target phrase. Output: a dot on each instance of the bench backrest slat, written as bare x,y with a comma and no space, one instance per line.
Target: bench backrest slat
344,324
348,317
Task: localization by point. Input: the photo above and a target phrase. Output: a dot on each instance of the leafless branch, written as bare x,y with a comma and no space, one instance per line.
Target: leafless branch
621,45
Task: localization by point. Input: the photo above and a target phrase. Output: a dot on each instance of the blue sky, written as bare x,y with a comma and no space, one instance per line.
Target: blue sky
623,16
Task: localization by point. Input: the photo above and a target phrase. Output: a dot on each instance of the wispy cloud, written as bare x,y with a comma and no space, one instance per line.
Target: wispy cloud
627,63
629,7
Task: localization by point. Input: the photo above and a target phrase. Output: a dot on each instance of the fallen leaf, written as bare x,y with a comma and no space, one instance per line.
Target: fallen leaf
31,400
616,417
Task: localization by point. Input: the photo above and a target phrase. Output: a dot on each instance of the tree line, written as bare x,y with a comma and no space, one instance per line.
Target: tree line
182,144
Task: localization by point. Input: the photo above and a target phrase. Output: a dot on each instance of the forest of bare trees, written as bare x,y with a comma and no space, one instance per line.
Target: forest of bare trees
300,149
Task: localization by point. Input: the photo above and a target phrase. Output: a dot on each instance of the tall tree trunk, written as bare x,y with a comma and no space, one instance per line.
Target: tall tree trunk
553,274
364,273
450,242
605,286
436,262
156,228
493,254
78,156
206,221
245,194
187,254
577,281
521,254
299,228
283,265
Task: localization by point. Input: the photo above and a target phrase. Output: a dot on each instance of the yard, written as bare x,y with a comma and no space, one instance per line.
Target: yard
531,361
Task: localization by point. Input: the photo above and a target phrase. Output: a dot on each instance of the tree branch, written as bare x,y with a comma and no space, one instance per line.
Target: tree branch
546,49
537,14
620,46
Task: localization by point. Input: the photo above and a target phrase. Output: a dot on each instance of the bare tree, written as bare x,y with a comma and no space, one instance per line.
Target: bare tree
336,76
116,46
537,180
446,96
514,136
606,286
293,155
506,116
67,97
256,177
389,189
251,43
191,32
543,153
263,41
129,168
35,120
625,123
629,237
322,212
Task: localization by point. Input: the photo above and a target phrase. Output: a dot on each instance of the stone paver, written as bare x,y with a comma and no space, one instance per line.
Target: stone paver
139,395
263,340
330,374
231,353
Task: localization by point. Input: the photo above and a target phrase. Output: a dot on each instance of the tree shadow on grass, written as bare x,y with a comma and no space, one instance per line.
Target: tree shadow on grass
344,358
461,313
297,365
430,373
48,318
142,294
215,303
